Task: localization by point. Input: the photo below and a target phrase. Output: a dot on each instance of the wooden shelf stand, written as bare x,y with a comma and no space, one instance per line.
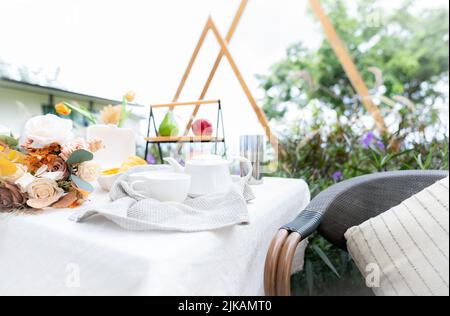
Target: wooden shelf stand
184,139
159,140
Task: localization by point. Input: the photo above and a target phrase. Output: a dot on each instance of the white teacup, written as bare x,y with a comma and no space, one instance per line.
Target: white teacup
161,186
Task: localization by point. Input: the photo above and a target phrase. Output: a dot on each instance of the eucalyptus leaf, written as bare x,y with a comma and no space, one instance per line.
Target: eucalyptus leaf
9,140
80,156
82,185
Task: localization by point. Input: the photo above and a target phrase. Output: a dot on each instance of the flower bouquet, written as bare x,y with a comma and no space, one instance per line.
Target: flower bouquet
49,169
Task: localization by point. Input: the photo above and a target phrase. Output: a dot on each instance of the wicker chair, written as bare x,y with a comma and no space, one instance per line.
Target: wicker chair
334,211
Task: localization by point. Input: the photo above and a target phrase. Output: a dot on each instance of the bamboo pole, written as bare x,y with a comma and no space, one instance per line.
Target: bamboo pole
177,104
213,72
191,63
223,52
258,111
349,65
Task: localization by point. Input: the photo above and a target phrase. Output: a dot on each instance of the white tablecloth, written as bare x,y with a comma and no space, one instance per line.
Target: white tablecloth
46,254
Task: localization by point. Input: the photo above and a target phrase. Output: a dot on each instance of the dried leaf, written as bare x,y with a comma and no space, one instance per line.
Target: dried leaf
66,201
378,76
405,101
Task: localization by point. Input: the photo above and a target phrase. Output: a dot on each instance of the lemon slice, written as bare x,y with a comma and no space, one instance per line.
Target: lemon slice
110,172
131,162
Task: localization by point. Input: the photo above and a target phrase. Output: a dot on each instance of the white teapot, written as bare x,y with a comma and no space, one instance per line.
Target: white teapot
209,174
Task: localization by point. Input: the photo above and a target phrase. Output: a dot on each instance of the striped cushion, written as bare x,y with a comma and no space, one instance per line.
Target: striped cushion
404,252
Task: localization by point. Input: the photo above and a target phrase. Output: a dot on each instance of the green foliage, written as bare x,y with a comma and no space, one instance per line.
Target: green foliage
78,157
411,50
124,113
317,158
9,140
81,184
405,62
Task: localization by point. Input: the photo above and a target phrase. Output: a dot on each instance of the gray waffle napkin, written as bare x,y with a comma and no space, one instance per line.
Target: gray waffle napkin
132,211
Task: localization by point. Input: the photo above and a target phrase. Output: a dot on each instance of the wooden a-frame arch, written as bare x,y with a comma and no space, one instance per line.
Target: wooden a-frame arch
210,26
338,46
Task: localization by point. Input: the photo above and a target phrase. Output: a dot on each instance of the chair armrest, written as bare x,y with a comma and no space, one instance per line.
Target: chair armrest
334,211
352,202
355,201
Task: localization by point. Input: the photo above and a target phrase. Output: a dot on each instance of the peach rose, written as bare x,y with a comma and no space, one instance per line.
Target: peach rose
10,196
43,193
69,148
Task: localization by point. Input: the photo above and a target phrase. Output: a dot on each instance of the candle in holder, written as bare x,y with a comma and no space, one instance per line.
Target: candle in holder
120,143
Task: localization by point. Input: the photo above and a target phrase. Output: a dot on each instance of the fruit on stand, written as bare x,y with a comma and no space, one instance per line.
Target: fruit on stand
202,127
169,126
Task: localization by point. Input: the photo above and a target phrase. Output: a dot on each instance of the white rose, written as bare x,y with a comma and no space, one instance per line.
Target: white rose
43,193
89,171
4,131
24,181
48,129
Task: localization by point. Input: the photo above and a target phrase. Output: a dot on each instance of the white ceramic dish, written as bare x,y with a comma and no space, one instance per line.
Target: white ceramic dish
162,186
210,174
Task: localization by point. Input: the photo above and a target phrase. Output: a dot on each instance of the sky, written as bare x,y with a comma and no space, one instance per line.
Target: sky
107,47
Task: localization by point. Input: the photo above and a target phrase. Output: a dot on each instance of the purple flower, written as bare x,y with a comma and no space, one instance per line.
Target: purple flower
381,145
367,140
151,159
337,176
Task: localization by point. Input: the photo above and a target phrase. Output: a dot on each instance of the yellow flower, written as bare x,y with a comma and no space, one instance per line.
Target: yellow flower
130,96
15,156
111,114
9,160
21,170
7,168
62,109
